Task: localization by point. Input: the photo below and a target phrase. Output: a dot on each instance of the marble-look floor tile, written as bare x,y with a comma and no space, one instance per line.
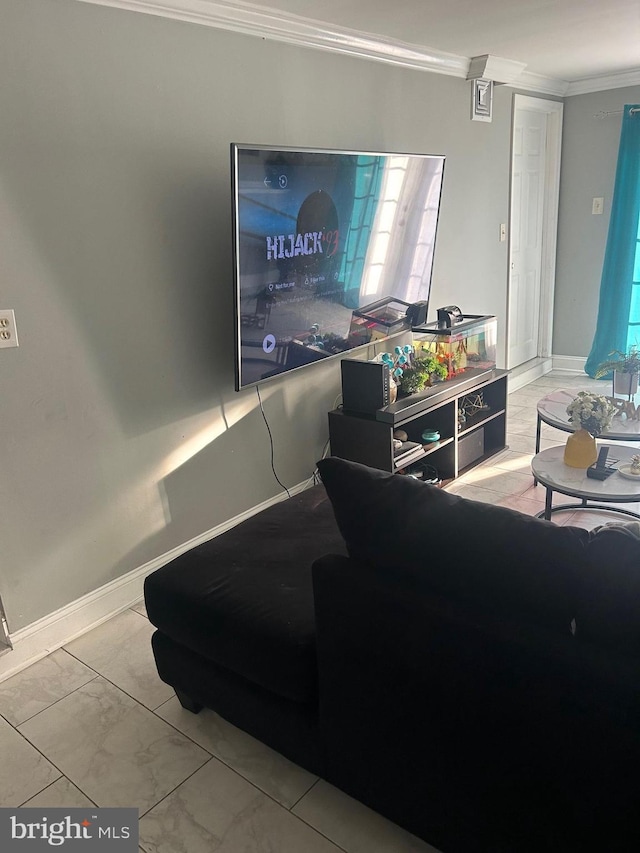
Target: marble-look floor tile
527,443
472,493
517,411
548,382
545,443
513,460
565,519
521,443
535,492
268,770
120,649
40,685
520,405
141,608
522,413
525,418
217,811
559,436
521,400
23,771
63,794
521,504
522,427
532,392
501,454
113,749
497,480
354,827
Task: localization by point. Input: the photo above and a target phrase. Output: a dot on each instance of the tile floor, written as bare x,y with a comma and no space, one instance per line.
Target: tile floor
92,724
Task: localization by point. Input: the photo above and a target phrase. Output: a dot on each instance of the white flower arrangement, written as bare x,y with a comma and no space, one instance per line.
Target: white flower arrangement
592,412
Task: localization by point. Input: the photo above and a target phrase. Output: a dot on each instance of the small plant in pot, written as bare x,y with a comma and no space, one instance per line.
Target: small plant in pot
421,374
625,367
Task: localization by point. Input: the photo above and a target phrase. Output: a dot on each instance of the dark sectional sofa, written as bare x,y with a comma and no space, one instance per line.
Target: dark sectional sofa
467,671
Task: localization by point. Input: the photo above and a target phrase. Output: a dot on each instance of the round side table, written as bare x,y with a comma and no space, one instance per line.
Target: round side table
549,469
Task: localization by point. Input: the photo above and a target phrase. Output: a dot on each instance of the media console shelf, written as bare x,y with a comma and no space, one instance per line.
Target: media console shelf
369,438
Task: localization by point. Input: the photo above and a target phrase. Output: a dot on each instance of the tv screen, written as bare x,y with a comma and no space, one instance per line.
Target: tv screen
330,249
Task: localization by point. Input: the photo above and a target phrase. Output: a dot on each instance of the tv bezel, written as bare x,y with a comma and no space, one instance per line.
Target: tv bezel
235,148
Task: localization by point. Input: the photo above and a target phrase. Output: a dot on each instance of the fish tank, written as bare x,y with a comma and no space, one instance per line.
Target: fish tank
464,348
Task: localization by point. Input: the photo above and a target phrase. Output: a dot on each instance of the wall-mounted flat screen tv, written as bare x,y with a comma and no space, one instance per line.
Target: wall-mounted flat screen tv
330,249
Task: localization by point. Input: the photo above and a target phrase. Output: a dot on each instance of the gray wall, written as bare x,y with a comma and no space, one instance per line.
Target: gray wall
589,156
122,436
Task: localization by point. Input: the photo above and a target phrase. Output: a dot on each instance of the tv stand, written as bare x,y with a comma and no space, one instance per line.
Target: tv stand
462,445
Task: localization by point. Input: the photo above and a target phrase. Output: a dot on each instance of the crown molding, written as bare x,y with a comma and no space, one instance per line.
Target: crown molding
601,84
264,22
494,68
261,21
529,81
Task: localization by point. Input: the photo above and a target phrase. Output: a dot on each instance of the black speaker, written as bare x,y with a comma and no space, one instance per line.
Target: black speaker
365,386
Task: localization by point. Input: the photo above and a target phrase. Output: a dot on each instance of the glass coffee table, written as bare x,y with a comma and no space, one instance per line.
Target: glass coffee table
549,469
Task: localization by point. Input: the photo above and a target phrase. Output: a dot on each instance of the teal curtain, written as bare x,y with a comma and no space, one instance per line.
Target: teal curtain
618,325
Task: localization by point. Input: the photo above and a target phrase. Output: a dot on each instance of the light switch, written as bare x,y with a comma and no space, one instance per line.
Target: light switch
597,206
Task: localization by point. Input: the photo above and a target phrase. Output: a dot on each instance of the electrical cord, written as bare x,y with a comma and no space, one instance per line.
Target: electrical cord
315,479
273,467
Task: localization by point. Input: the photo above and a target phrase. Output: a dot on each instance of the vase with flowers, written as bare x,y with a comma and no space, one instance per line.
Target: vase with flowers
590,415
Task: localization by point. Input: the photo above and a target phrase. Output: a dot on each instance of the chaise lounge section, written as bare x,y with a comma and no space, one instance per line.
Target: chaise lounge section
236,624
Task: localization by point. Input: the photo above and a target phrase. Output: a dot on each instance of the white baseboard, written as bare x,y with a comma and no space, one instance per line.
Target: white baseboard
537,367
39,639
573,363
528,372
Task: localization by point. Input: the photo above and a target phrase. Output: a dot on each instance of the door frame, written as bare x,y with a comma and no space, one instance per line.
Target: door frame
554,112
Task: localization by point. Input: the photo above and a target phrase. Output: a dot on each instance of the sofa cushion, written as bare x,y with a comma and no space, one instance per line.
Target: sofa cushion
609,609
499,560
244,600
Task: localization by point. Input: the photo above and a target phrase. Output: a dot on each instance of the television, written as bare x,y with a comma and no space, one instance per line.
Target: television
331,248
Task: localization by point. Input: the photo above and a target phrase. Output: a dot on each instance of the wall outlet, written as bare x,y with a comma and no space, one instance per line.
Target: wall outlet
597,206
8,331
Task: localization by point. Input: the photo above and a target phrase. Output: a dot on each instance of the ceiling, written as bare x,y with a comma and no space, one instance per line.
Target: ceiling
565,39
555,46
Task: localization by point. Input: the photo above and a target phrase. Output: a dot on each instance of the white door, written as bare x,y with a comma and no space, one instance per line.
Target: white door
535,174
